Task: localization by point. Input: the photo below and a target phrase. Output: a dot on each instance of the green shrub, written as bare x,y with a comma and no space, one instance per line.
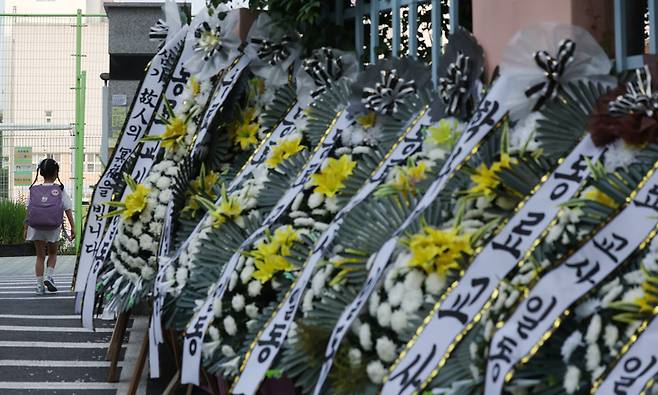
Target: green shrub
12,215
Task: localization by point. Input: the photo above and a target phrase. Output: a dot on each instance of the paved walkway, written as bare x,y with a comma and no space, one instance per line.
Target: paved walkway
43,348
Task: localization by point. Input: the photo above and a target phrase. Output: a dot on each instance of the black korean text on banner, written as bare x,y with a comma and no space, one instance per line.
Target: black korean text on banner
142,167
560,288
269,341
282,130
155,331
223,89
199,324
140,116
487,115
636,368
463,304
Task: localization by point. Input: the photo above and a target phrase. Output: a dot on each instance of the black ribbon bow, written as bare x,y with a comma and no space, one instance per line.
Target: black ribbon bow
638,98
273,53
554,69
159,31
454,87
387,94
324,67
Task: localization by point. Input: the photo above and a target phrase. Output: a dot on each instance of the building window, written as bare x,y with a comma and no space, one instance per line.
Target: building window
49,116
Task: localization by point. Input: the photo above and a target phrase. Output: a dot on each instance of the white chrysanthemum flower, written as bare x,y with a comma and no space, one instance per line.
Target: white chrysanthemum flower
365,339
138,229
612,295
376,372
592,357
572,379
147,272
307,302
228,351
254,287
634,277
237,302
412,301
181,275
233,281
132,246
251,310
217,307
587,308
373,304
385,349
160,212
331,203
524,132
304,222
570,344
610,336
384,314
319,280
396,294
315,200
354,356
229,325
619,155
213,332
209,348
593,330
633,294
163,183
246,273
434,283
413,280
399,321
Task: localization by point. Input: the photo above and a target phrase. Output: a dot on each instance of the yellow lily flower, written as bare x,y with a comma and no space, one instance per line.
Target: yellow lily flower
437,251
284,150
485,179
329,180
136,201
175,131
596,195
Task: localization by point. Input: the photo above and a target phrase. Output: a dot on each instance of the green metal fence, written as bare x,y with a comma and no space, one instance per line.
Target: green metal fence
50,100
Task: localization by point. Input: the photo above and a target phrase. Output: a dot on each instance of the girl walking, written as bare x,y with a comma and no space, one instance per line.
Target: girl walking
47,204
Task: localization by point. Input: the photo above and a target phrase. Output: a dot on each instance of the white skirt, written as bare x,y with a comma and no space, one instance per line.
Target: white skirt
50,236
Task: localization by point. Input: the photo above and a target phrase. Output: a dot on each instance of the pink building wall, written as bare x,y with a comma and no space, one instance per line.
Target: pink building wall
496,21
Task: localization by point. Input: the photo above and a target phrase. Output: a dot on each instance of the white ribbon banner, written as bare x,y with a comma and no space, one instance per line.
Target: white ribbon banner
223,89
142,167
639,364
283,129
140,116
560,288
498,258
266,346
155,331
199,324
488,113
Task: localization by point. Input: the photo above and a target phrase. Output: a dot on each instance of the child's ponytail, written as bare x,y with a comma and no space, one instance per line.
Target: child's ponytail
37,176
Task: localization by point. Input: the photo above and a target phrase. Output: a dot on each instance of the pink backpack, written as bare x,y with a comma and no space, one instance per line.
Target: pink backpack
45,210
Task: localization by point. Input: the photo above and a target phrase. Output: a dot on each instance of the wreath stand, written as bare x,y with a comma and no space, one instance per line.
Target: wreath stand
114,352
